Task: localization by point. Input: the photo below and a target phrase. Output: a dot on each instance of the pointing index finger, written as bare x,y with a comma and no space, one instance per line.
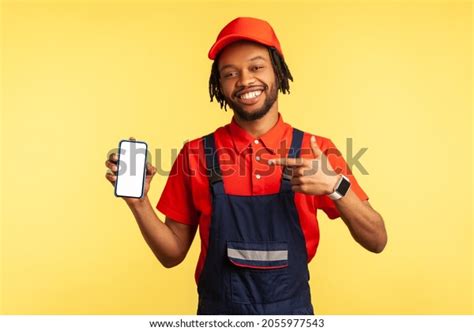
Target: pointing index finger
290,162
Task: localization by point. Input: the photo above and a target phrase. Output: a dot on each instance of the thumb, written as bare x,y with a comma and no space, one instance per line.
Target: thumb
151,170
315,148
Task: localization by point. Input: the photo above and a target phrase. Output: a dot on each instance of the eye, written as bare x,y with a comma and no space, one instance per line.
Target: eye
256,68
229,74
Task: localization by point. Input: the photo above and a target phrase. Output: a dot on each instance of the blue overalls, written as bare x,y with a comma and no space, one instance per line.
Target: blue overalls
256,261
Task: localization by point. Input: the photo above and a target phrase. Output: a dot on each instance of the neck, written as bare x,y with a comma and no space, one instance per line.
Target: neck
261,126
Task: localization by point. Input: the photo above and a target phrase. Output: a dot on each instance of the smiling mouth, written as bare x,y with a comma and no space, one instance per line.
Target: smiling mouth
250,95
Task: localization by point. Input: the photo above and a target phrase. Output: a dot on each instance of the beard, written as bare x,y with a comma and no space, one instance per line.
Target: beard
256,114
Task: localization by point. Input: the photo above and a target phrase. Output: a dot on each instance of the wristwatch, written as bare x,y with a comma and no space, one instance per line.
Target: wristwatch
341,188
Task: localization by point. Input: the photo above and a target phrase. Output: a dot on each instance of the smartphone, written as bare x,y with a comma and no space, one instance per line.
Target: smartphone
131,169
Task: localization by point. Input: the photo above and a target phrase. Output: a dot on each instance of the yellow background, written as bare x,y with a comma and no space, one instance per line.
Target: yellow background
78,76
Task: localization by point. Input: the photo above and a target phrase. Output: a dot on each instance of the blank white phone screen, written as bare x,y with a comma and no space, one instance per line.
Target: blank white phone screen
131,169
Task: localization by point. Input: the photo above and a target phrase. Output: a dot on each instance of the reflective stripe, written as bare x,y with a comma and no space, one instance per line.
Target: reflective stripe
257,255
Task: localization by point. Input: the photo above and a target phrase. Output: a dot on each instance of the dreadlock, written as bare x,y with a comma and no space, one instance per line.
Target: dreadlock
280,68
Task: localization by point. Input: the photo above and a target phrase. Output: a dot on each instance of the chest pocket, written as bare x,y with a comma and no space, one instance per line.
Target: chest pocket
258,271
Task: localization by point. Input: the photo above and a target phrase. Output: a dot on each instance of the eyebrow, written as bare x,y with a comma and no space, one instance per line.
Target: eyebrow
258,57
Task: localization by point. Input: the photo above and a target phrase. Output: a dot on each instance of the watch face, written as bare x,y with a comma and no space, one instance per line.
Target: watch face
343,187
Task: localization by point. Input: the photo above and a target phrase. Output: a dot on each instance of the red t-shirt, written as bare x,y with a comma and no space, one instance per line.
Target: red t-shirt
245,171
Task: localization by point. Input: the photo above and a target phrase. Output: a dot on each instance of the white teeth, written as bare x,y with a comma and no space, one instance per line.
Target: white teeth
251,95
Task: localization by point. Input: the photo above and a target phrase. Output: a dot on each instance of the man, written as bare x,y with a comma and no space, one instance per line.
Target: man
253,187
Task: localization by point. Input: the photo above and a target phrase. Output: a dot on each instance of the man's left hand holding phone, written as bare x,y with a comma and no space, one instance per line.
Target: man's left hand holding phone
129,172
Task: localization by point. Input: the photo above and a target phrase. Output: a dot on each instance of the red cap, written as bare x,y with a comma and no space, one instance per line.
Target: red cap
245,28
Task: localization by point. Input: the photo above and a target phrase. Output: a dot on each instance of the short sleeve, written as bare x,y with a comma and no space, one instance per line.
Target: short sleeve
340,166
176,200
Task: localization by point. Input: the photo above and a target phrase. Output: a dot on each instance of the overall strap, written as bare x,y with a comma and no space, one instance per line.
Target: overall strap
213,169
294,151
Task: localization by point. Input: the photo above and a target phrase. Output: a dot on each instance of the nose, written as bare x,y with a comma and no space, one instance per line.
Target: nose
246,78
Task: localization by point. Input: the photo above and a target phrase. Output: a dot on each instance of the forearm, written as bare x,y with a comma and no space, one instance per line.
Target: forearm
159,237
364,223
